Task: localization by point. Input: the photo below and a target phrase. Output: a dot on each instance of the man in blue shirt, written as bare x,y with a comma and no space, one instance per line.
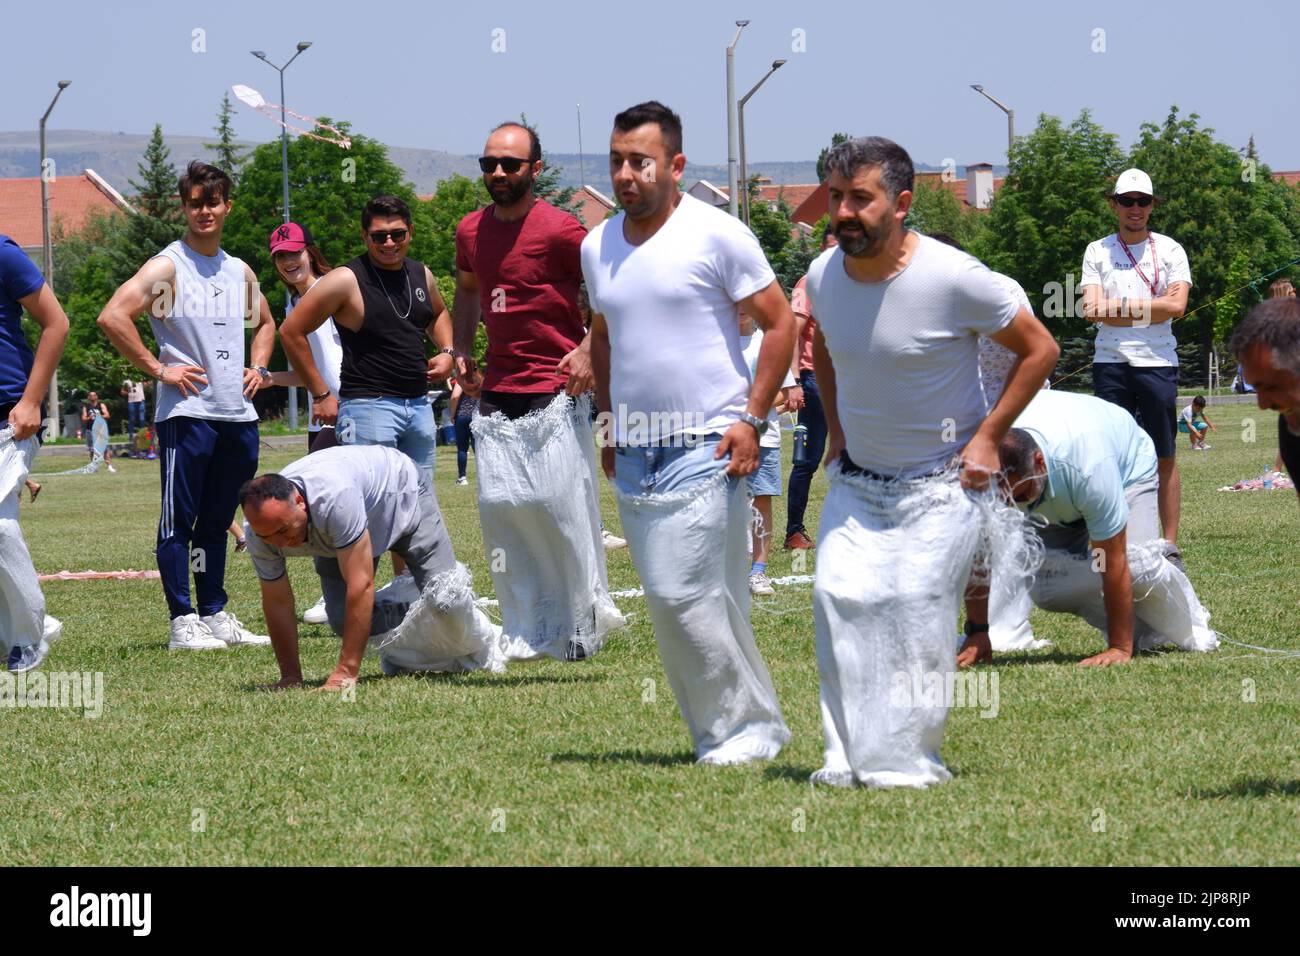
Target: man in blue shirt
1087,475
24,379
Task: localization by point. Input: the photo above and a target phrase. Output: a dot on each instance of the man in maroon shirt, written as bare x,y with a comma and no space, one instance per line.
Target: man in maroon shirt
518,269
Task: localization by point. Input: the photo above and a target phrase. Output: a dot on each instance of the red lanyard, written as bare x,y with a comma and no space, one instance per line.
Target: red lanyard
1151,244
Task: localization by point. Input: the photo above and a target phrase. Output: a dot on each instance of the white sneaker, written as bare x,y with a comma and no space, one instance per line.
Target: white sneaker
462,481
316,613
760,584
111,469
226,628
401,590
189,633
612,542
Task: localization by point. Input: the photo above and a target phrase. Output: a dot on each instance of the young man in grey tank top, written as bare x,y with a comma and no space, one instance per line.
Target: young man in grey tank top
199,301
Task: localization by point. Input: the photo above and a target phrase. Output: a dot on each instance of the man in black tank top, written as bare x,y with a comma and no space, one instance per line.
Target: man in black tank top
383,305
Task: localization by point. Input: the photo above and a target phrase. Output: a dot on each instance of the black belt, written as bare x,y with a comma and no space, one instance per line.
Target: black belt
848,467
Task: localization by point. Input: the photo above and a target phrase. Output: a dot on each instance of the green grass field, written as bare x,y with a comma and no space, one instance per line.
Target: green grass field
1165,761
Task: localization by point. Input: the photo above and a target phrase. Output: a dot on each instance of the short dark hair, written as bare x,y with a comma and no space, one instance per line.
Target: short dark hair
1199,400
270,487
388,207
896,170
211,179
652,111
535,150
1274,324
1016,452
947,240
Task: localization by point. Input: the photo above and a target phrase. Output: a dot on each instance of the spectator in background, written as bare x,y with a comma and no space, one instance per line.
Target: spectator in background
133,391
1267,344
1193,423
94,425
805,399
463,407
765,483
1135,283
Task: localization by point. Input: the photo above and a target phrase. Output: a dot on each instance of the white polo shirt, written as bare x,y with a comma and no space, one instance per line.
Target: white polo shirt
1106,264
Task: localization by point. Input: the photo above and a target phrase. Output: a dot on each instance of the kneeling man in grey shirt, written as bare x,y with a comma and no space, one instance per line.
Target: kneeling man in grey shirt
345,507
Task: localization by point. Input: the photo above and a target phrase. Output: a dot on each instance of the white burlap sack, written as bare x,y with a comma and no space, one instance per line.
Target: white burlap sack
1165,606
22,605
444,630
688,547
538,504
894,559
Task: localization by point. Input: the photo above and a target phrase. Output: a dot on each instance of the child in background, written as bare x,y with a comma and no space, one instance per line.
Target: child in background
1193,423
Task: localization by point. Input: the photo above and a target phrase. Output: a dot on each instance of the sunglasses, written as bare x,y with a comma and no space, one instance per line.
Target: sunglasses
1129,201
510,164
380,236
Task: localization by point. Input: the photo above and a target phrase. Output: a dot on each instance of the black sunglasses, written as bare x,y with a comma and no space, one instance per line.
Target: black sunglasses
380,236
510,164
1128,201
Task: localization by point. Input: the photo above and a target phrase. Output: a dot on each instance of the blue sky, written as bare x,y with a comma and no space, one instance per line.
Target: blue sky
426,74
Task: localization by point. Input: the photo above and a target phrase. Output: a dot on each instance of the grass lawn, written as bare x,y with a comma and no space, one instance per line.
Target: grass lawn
1164,761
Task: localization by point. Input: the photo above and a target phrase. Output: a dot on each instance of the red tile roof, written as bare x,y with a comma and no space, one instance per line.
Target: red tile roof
1292,178
815,205
72,199
593,206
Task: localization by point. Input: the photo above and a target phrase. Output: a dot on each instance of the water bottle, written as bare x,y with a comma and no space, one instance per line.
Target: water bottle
1268,478
800,443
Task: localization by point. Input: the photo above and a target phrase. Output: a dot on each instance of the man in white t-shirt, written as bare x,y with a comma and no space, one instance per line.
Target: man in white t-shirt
1135,283
896,353
665,278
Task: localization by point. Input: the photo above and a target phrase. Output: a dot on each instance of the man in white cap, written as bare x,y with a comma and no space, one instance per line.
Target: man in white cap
1135,283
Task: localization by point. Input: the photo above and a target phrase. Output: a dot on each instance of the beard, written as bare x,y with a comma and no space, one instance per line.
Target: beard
864,246
508,193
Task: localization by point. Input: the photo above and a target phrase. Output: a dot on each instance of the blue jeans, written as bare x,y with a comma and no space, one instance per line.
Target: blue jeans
655,469
812,417
403,423
134,419
464,441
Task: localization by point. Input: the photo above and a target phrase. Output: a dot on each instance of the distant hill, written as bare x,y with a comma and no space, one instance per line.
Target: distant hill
115,156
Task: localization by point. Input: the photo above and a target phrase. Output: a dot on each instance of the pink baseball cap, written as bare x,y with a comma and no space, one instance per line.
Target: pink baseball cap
290,237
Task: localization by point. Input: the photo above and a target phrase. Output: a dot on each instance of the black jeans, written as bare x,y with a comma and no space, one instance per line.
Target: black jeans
813,417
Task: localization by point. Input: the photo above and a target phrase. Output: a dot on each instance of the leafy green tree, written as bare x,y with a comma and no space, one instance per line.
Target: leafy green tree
229,156
836,139
935,209
1052,204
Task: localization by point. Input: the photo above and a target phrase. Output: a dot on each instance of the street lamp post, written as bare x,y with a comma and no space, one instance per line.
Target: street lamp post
48,253
284,177
731,117
1011,115
740,113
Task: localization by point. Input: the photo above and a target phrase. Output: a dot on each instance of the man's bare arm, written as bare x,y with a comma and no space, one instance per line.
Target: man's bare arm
824,369
1137,312
328,296
1117,593
47,313
357,566
442,365
282,623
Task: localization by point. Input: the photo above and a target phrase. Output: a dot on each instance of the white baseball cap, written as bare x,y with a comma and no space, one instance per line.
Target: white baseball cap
1133,181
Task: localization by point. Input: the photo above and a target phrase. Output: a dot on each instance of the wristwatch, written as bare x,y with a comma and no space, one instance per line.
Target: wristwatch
263,371
972,628
758,424
451,352
322,396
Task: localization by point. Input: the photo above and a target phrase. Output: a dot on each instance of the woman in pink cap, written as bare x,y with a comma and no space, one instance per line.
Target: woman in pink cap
300,264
